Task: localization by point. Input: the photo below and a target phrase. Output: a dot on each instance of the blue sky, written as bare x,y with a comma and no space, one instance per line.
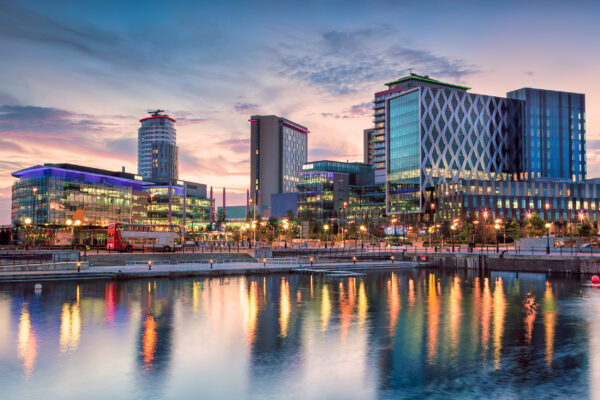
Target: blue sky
75,77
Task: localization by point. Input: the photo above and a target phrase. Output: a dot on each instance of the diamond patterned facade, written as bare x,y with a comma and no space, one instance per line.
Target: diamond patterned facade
442,134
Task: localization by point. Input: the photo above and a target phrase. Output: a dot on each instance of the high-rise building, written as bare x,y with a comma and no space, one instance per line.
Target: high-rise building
437,132
157,148
553,140
278,149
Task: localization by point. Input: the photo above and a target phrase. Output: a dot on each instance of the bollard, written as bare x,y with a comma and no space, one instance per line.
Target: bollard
211,263
311,261
78,266
354,259
149,265
264,260
392,258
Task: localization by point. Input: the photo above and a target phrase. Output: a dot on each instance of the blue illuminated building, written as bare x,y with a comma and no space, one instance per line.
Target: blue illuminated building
553,139
59,194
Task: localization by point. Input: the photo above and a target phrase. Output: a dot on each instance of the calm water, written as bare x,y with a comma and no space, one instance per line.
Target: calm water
390,335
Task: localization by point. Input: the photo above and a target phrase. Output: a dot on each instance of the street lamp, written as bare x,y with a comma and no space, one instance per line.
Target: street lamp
496,229
452,229
362,236
326,229
548,237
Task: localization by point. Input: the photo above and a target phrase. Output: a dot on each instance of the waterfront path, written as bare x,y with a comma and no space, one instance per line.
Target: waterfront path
194,269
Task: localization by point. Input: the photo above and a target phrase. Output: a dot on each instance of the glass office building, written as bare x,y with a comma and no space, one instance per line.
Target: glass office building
562,202
553,140
333,189
52,194
438,133
157,148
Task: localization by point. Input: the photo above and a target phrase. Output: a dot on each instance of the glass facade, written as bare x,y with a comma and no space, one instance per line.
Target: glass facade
404,138
333,189
561,202
197,213
51,195
293,157
553,140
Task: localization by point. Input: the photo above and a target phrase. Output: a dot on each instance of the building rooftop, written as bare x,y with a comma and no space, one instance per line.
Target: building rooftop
427,79
80,168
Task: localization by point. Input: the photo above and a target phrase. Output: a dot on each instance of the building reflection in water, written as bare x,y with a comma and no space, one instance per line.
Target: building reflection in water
549,310
433,317
530,308
499,313
386,335
363,303
486,314
284,307
325,307
27,341
394,303
70,326
455,313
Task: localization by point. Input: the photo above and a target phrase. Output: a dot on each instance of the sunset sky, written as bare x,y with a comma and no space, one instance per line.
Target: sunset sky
75,77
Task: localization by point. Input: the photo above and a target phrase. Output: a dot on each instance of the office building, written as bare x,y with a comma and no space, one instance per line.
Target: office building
278,149
58,195
157,148
553,139
333,189
437,132
561,202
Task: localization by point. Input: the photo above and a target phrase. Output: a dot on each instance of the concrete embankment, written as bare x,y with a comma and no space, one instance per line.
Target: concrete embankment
511,262
193,270
105,259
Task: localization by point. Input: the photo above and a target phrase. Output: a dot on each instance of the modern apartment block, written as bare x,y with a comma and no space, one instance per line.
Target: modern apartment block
278,149
553,139
157,148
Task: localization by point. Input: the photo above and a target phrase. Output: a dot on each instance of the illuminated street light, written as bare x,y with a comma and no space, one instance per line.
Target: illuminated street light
27,221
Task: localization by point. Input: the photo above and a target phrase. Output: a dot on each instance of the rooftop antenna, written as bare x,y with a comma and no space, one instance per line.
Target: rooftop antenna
410,71
155,113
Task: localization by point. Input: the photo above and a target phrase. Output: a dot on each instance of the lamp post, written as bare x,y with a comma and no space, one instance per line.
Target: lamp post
34,191
496,229
452,229
394,220
548,237
27,231
326,229
344,225
362,236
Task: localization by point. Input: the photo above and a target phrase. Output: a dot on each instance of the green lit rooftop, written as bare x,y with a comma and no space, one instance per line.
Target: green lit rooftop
428,80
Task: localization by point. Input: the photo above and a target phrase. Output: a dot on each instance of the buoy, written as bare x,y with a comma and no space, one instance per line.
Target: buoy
595,279
38,287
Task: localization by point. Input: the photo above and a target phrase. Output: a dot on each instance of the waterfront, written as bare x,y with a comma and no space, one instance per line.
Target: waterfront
406,334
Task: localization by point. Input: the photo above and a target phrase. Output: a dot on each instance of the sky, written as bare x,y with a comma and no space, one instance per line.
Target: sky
76,77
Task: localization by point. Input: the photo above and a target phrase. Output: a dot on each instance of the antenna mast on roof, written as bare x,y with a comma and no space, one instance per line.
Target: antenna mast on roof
155,113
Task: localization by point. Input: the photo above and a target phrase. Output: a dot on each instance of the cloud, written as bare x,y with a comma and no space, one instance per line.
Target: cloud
240,146
342,62
246,108
355,111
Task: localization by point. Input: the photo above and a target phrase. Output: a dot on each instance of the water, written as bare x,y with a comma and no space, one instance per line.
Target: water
406,334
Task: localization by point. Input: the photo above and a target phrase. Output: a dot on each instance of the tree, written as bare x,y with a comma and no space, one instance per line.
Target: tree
513,230
536,226
586,229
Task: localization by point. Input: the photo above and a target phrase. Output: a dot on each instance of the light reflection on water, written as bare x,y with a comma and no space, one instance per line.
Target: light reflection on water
404,334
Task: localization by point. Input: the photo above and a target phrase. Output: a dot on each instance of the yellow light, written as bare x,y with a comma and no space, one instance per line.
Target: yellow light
77,222
548,226
325,227
496,226
27,220
362,228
